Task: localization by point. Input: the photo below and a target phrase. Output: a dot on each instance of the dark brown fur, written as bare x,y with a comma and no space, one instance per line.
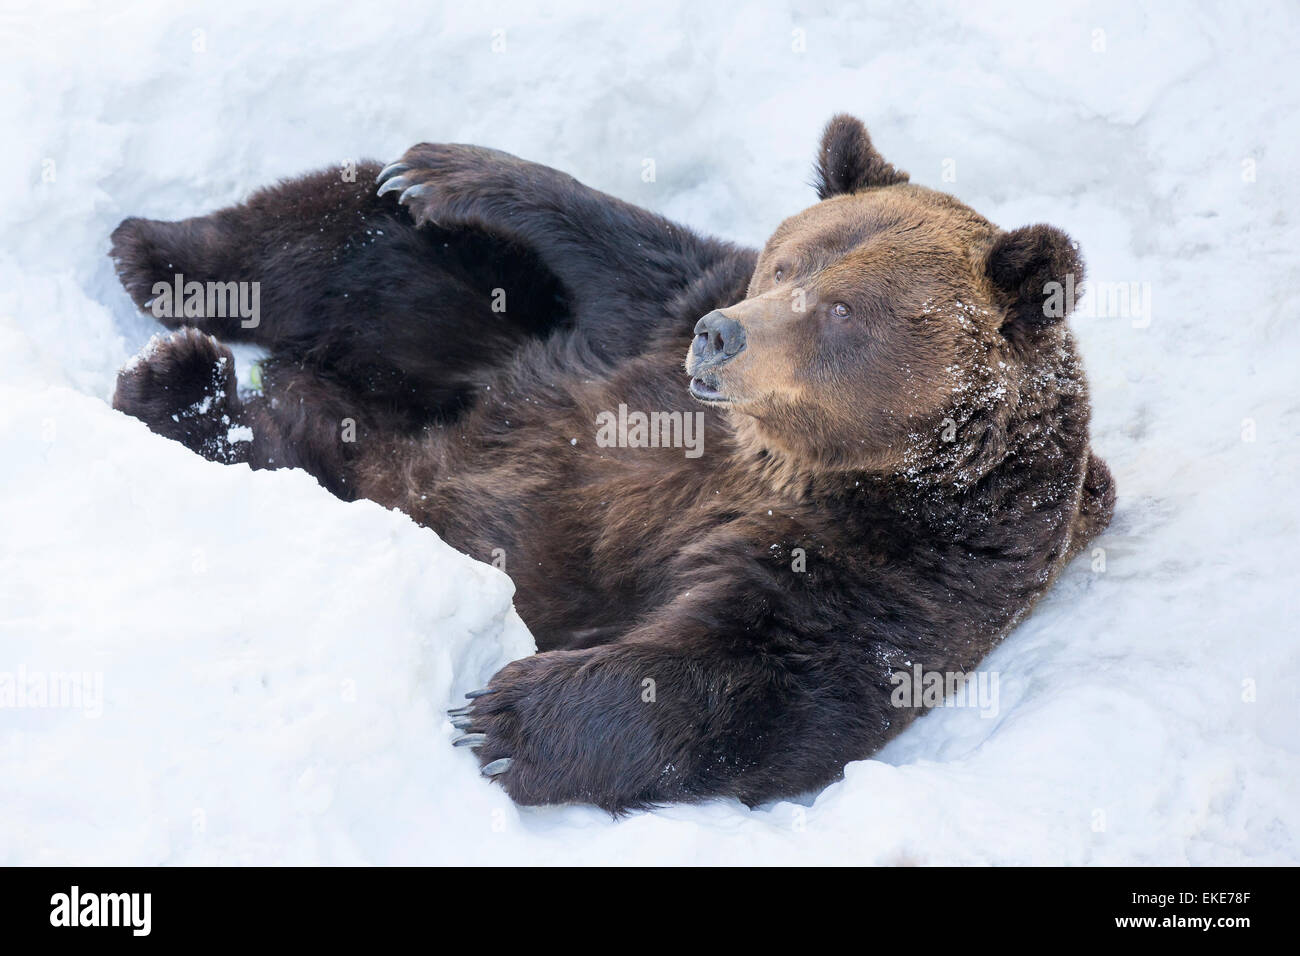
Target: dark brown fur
902,415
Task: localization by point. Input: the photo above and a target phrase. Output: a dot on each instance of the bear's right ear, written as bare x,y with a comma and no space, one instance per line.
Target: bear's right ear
848,162
1035,271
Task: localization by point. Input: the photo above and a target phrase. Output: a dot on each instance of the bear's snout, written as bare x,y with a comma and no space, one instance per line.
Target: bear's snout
718,338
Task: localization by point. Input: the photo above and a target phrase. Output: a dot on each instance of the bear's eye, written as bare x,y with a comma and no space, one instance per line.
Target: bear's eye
840,310
779,274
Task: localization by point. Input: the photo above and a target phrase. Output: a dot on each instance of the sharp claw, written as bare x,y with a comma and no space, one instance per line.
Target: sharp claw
496,766
394,184
392,169
460,711
413,192
460,723
469,740
481,692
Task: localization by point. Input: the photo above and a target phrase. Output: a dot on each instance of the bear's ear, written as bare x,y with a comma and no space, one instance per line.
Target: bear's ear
848,162
1035,271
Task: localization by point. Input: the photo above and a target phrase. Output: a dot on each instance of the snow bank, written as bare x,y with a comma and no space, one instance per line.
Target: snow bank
261,669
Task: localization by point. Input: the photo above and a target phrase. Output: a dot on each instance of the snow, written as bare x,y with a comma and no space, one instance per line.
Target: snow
262,669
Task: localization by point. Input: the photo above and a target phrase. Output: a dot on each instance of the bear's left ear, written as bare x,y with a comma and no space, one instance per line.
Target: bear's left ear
848,162
1035,271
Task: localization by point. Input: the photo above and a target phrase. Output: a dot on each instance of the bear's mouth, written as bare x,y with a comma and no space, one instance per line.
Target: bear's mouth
706,389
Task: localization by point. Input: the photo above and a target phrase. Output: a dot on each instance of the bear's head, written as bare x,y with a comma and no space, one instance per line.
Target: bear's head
889,328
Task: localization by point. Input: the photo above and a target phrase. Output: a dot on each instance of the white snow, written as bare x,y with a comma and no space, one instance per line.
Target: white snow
262,669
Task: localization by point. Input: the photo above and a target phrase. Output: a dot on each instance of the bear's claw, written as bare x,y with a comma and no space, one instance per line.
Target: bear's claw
392,169
481,692
413,192
394,184
462,719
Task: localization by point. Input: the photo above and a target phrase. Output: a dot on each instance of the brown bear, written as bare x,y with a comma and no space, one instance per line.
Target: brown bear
877,458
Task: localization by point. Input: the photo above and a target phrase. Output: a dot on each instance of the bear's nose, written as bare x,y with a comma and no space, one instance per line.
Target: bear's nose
718,338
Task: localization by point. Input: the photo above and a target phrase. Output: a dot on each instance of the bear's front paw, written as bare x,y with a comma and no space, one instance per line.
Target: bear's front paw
445,183
567,727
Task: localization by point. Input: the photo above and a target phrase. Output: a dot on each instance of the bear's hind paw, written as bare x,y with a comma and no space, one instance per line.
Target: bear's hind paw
182,385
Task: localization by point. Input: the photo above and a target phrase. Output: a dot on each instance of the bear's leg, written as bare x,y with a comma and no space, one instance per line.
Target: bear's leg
615,260
183,387
708,698
323,271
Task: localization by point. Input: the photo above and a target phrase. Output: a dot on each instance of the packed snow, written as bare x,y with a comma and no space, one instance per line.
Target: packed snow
211,665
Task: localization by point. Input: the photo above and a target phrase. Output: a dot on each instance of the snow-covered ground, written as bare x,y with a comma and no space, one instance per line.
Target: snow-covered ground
265,667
